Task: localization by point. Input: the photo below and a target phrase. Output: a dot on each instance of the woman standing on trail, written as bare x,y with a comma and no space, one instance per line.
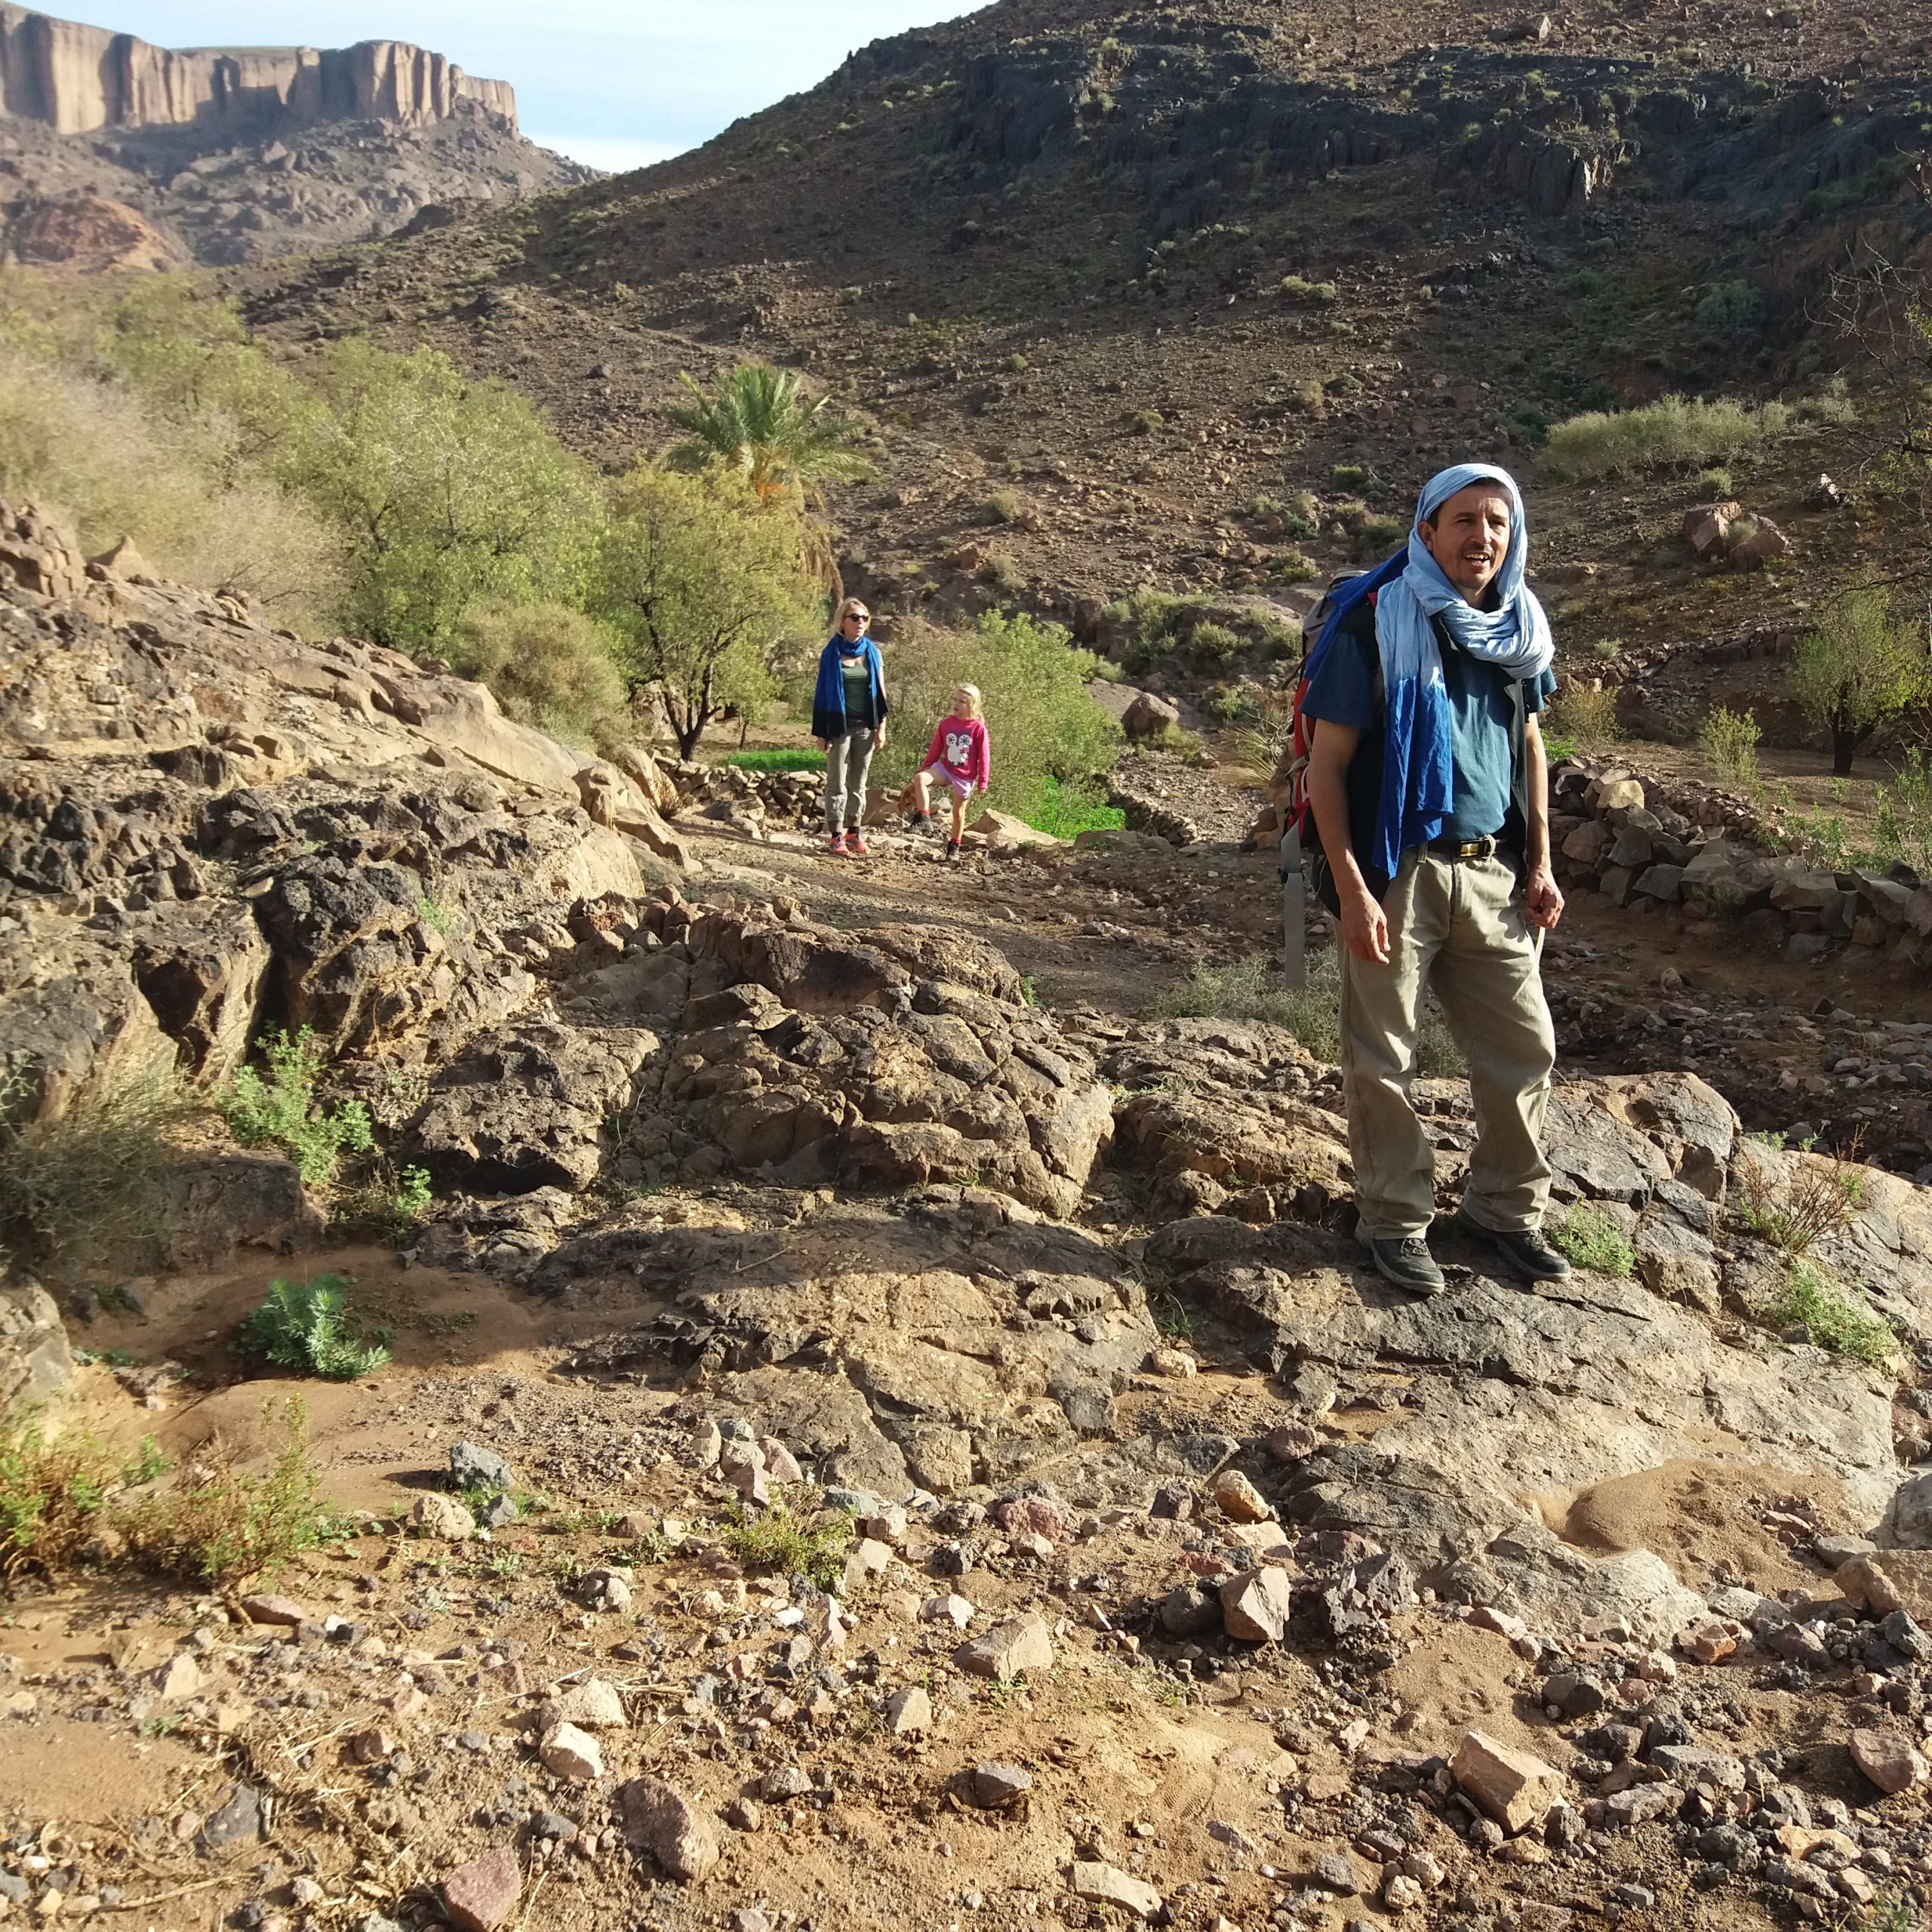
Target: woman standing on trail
961,754
848,723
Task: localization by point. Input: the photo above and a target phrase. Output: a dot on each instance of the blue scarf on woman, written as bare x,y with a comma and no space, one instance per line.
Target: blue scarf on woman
829,694
1418,767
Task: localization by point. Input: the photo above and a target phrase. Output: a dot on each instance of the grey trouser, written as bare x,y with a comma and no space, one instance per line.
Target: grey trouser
1460,929
847,760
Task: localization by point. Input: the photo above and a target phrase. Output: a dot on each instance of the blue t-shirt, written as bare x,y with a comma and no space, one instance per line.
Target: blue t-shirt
1344,692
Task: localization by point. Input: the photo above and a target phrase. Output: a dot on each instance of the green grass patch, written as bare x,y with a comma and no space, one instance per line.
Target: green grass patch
784,1541
1593,1240
777,759
1067,809
1839,1319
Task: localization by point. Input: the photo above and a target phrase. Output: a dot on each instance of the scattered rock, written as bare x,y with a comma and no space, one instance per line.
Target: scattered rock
592,1705
480,1895
1256,1604
908,1711
471,1467
1239,1499
656,1818
442,1517
571,1753
1010,1649
1889,1760
1516,1788
993,1786
1105,1885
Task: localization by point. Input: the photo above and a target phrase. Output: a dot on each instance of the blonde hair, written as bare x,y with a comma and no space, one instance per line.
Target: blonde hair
972,692
846,609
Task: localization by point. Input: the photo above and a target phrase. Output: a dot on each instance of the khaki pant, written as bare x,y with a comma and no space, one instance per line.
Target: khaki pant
846,761
1459,929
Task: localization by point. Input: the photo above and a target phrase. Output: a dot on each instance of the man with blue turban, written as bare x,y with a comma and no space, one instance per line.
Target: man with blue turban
1429,789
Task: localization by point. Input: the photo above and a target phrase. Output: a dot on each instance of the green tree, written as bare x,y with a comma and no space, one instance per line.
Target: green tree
1860,667
451,493
548,666
759,422
700,580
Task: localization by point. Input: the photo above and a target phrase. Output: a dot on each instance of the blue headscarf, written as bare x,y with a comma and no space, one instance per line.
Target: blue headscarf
1418,769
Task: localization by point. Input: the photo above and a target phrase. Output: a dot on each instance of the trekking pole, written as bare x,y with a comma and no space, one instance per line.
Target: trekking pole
1294,933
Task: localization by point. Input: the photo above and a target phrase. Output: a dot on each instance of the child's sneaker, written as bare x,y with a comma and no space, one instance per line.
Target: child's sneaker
952,851
855,844
838,845
918,821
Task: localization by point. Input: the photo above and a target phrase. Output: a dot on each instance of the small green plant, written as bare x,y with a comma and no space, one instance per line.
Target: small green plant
781,1541
1215,643
1351,476
1066,809
1029,990
282,1111
1003,506
1376,536
1729,739
777,759
219,1526
1714,483
1901,830
435,915
306,1329
1837,1318
1593,1240
1311,295
56,1487
1732,307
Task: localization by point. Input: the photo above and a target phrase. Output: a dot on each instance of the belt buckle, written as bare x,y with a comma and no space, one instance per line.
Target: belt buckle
1473,848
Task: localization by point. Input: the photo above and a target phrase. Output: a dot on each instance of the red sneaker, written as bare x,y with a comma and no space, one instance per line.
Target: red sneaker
855,844
838,845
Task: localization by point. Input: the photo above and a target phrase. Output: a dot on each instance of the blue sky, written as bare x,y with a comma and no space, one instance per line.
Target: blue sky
615,83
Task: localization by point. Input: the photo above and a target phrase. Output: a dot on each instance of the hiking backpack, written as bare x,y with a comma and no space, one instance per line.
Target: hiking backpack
1298,829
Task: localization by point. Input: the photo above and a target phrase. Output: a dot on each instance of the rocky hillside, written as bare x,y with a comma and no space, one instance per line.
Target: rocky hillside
1167,1562
115,154
1177,296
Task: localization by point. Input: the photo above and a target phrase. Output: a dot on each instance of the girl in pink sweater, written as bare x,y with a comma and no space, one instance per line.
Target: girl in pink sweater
961,754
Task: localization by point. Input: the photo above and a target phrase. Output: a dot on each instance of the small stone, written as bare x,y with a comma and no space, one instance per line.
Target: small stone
282,1611
747,1919
1255,1605
1575,1692
1865,1586
499,1512
305,1891
1030,1515
1516,1788
1401,1893
238,1817
472,1466
368,1747
593,1705
606,1589
951,1608
1708,1643
571,1753
442,1517
1014,1649
707,1441
780,1465
1239,1499
1487,1617
1426,1869
1889,1760
1175,1363
659,1819
1335,1873
180,1676
1107,1885
908,1711
991,1785
1291,1441
480,1895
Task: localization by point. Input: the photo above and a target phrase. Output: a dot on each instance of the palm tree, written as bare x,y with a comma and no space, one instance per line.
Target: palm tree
759,421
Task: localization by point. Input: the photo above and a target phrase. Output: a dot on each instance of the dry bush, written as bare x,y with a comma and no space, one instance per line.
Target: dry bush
57,1489
1676,431
1585,714
548,666
90,454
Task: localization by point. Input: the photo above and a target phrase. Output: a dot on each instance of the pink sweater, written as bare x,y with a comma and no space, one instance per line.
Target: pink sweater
961,745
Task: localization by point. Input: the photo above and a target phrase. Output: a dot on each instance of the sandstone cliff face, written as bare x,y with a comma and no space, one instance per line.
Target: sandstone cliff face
77,79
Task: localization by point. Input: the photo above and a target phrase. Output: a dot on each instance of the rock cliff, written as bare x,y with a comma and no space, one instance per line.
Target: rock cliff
78,79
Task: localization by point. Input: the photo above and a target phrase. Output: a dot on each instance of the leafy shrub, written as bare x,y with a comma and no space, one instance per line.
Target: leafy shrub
1714,483
1376,536
1215,642
1306,399
1003,574
548,666
88,1189
1675,431
305,1329
1902,829
784,1542
1311,295
1146,421
1047,730
282,1111
1003,506
1729,739
1732,307
778,759
1351,476
1593,1240
1292,567
1833,406
1838,1319
1245,990
1860,666
1585,715
218,1527
57,1488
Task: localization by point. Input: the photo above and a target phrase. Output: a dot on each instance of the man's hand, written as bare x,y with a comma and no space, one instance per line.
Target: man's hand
1365,928
1542,898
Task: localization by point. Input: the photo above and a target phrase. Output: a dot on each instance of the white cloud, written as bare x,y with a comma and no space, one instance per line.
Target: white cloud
612,154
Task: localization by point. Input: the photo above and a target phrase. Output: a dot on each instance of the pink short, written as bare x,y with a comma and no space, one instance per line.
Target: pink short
961,785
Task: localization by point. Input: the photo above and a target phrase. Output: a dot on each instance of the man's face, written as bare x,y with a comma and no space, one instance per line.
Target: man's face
1470,538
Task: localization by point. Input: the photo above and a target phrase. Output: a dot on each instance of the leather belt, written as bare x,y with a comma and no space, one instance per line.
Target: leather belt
1458,849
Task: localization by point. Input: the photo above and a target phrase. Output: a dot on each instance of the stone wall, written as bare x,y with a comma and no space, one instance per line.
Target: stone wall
1692,851
77,79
